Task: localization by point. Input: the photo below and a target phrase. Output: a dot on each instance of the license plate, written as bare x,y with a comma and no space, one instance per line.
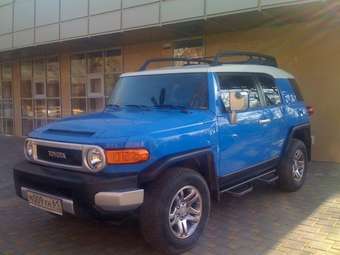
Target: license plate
46,203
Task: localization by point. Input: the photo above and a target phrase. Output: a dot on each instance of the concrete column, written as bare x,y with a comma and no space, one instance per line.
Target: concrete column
65,83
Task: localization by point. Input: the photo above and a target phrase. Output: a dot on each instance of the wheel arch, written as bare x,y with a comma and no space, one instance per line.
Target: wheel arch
201,161
302,133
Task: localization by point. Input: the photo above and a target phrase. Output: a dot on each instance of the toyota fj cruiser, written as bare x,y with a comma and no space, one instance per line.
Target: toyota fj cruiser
169,141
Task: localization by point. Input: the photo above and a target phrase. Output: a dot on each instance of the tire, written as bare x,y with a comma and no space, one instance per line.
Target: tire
290,179
160,200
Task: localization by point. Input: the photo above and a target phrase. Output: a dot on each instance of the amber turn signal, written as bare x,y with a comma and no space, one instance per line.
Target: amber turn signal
126,156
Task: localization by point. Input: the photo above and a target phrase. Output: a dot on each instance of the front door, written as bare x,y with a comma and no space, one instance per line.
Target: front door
242,145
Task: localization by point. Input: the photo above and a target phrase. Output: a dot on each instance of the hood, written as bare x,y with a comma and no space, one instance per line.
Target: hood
112,124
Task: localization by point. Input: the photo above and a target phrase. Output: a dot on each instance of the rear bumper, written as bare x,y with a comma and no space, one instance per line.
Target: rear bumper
80,192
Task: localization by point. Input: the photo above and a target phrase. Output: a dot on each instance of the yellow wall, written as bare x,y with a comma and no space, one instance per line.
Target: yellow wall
135,55
310,51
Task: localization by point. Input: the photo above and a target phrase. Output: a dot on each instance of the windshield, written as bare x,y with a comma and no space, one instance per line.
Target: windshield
187,90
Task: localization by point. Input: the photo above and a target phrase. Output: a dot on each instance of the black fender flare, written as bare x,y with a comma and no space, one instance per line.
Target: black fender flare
302,132
160,166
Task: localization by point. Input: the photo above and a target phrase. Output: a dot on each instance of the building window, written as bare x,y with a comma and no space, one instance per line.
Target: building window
93,77
189,48
6,100
40,93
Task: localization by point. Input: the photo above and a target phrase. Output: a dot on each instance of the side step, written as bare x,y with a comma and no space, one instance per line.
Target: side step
240,191
269,180
245,187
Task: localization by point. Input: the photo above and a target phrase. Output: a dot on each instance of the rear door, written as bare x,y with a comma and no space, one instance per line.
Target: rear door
273,115
242,145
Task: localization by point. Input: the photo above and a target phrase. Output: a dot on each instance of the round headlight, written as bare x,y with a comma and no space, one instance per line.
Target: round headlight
95,159
29,149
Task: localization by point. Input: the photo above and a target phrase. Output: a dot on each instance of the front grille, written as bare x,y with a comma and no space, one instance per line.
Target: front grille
62,156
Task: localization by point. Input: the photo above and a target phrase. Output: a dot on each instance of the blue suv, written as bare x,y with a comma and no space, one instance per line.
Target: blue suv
171,140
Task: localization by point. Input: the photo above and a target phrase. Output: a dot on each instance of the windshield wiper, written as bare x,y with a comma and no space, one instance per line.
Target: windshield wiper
176,107
116,106
139,106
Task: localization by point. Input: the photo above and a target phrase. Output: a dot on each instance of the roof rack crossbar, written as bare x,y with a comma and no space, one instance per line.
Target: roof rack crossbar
188,61
253,58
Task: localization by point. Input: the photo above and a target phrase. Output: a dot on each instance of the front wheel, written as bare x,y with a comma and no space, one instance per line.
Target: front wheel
293,169
175,210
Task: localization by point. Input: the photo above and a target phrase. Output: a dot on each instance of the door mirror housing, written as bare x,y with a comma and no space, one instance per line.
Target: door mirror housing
239,101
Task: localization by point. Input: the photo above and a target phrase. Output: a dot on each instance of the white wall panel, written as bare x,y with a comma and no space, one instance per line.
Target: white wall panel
105,22
23,14
24,38
2,2
99,6
47,12
71,9
47,33
6,19
181,9
5,41
73,28
218,6
130,3
141,16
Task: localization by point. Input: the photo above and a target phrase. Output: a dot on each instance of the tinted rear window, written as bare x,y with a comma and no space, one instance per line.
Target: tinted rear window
270,91
296,90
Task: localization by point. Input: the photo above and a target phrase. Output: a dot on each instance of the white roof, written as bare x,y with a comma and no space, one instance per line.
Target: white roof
231,68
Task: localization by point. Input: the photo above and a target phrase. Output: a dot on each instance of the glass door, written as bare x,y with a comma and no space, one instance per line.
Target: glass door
40,93
93,77
95,92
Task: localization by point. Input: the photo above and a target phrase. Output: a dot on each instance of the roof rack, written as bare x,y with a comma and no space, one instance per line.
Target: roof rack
188,61
253,59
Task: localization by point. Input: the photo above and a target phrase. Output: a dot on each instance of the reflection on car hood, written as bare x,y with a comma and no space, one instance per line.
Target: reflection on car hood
119,124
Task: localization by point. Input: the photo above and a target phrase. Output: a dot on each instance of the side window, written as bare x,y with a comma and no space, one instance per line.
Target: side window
296,90
270,91
239,82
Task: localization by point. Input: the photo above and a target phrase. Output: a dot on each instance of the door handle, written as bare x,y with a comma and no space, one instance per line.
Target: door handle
264,121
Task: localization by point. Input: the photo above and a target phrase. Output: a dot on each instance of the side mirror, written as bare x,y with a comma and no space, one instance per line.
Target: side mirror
239,101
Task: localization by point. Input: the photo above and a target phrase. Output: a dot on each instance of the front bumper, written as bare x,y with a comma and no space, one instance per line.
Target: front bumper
80,192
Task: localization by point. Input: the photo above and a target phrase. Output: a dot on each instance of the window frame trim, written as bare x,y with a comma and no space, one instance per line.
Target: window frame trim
265,105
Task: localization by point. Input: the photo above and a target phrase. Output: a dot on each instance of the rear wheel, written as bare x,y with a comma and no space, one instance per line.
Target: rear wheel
175,210
292,171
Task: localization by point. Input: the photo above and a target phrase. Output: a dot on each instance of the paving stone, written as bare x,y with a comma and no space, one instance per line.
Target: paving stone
264,222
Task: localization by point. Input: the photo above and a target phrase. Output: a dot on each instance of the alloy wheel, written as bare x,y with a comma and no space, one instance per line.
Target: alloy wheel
298,165
185,212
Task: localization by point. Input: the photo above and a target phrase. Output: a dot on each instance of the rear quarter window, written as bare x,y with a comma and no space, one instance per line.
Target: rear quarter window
270,91
296,90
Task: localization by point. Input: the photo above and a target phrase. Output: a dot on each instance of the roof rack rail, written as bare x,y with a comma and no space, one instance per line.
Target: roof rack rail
253,58
188,61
